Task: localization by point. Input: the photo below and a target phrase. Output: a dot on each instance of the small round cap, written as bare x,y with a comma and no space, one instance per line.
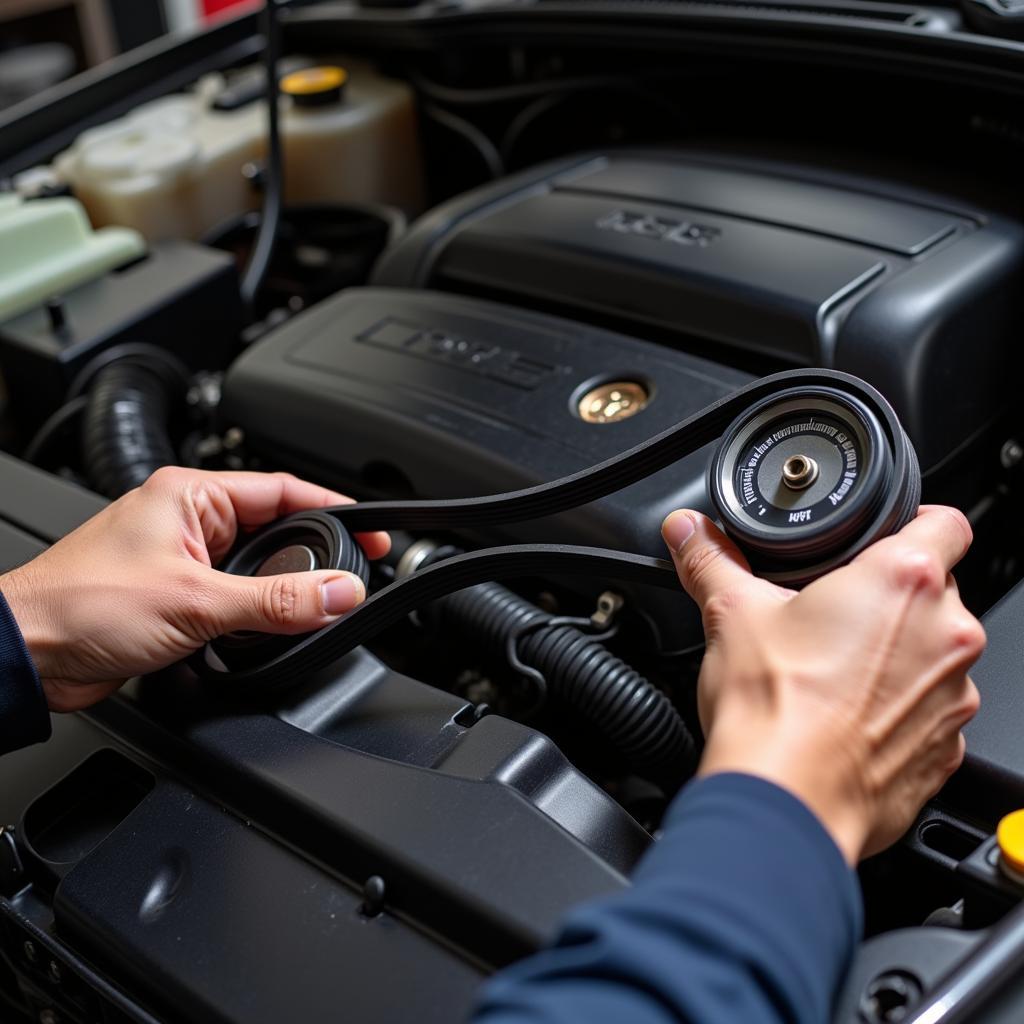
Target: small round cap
313,86
294,558
1010,837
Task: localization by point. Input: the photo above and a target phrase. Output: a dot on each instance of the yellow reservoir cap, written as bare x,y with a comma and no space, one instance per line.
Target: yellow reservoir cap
314,81
1010,836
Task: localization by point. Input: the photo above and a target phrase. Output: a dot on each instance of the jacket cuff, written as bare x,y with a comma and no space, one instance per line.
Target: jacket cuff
779,859
24,715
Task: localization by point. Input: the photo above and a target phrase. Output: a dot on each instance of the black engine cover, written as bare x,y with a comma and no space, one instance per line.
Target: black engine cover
790,265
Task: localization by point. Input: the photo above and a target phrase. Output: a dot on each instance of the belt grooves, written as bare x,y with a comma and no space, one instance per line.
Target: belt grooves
587,485
394,602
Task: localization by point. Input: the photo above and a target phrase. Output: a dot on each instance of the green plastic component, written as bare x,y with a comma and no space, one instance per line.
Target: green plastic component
48,246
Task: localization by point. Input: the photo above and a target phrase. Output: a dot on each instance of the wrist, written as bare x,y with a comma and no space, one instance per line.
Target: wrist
30,609
811,772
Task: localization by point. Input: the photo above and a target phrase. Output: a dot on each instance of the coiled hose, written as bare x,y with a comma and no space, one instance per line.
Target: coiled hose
125,434
581,673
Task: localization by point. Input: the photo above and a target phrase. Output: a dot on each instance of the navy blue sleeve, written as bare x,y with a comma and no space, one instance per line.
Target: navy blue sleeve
744,911
24,717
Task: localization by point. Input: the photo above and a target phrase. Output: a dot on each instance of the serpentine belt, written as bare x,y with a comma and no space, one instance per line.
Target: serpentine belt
896,504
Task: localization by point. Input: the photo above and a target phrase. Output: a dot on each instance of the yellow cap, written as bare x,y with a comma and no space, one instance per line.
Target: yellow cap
314,81
1010,836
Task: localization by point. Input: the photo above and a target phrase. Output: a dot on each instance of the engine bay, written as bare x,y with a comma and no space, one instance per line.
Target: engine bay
494,263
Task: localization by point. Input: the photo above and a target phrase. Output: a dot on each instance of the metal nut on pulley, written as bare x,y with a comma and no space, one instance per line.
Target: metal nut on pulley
805,479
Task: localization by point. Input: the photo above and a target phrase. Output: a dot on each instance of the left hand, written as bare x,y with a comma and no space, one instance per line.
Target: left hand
134,589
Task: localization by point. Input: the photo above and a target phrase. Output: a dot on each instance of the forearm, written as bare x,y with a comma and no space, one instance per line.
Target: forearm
744,911
24,717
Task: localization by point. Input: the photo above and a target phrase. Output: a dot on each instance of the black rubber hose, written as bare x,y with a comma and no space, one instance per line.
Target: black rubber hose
581,674
273,194
125,434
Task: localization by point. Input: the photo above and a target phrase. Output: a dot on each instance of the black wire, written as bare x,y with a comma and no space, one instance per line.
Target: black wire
52,427
273,177
522,121
474,136
455,97
532,111
683,652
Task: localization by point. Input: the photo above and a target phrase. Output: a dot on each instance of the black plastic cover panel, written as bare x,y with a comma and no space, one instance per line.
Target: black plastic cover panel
662,263
40,504
202,894
991,781
16,547
786,265
36,508
181,296
870,220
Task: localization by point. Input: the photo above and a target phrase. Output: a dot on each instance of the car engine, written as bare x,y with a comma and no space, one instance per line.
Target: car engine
492,264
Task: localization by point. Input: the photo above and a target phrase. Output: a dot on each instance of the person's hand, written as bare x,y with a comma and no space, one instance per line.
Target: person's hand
134,589
851,694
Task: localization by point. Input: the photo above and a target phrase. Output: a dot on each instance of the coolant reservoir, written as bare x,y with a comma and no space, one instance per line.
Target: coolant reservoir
175,168
350,136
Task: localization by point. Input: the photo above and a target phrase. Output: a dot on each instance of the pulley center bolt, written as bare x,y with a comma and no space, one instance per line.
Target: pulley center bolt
799,472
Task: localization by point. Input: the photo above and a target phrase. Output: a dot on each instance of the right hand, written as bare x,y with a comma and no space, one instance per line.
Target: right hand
851,694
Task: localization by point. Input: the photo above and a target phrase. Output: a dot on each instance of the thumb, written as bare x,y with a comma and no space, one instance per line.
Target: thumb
707,562
295,602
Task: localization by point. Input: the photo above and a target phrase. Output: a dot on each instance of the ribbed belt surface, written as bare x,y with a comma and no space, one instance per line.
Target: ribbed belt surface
395,601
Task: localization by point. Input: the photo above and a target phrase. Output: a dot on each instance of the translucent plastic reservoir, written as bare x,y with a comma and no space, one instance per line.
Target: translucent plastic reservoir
358,146
176,167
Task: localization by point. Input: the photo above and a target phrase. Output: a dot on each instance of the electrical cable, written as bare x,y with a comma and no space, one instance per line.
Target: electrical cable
51,428
474,136
488,95
273,177
526,117
546,96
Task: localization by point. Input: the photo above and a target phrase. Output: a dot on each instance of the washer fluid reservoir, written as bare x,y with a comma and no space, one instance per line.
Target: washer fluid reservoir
175,167
171,168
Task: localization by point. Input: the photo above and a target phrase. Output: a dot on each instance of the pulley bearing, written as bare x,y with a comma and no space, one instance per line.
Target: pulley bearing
804,479
301,542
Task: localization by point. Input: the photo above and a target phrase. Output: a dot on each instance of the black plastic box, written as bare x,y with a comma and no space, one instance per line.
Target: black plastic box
182,296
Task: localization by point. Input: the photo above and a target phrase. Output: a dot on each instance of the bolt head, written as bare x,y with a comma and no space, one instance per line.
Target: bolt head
890,997
1011,454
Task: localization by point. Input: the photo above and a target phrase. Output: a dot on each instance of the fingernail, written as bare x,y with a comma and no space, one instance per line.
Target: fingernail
677,530
341,595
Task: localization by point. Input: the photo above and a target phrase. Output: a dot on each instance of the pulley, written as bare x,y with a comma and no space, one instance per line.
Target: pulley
804,479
